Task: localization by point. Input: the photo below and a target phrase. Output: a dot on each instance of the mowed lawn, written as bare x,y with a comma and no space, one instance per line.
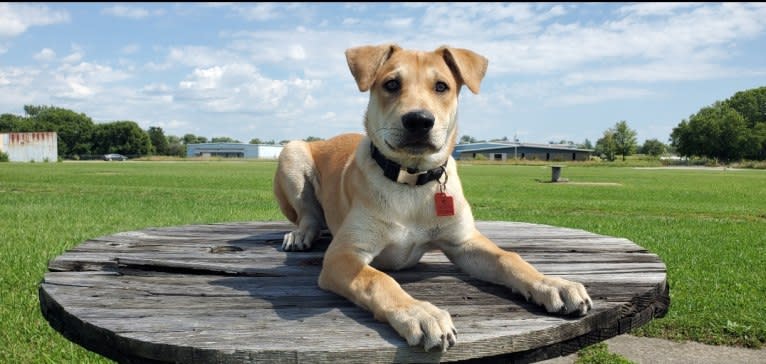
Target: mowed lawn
708,226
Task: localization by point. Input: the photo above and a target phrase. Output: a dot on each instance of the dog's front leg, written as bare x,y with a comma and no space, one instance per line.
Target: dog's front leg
345,272
483,259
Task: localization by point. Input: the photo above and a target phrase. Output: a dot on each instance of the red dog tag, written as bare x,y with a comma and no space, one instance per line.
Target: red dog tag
445,206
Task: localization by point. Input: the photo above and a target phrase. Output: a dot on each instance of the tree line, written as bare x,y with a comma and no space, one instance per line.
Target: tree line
79,137
618,140
728,130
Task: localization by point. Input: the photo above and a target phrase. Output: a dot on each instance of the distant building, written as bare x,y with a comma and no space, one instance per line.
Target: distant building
30,147
528,151
234,150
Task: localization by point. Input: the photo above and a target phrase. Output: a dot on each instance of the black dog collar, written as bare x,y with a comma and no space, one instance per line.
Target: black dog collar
413,177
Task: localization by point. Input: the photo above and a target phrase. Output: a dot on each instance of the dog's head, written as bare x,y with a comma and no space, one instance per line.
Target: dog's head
412,114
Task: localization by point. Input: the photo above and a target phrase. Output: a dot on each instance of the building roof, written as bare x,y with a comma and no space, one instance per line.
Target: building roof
487,146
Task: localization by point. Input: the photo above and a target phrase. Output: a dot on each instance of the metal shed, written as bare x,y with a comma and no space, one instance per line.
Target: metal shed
234,150
528,151
30,147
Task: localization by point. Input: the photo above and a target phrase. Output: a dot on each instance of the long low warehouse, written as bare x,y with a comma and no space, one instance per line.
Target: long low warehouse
234,150
528,151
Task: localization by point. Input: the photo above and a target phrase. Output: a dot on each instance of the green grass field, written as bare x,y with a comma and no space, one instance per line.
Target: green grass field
709,227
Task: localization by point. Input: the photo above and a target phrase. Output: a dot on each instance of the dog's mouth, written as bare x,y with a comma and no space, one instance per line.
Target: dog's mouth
414,147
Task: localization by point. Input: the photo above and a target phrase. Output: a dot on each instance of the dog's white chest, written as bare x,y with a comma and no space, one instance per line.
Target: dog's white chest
406,245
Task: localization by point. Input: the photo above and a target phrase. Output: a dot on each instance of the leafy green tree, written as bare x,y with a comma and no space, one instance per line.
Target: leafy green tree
624,139
13,123
224,140
751,104
653,147
259,141
717,131
193,139
312,139
74,130
758,136
467,139
726,130
586,144
606,146
159,140
176,147
34,110
124,137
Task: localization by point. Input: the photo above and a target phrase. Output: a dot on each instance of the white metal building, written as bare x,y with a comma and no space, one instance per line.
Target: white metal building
529,151
30,147
234,150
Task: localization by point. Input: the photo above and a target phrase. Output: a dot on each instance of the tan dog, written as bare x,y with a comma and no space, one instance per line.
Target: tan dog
390,196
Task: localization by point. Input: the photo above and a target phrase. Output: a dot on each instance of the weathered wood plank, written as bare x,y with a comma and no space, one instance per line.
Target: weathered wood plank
226,293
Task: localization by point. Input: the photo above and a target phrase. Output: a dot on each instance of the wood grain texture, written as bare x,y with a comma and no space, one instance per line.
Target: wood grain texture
227,293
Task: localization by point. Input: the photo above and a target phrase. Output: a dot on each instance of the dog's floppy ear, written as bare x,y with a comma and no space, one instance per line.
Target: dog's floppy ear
467,66
364,62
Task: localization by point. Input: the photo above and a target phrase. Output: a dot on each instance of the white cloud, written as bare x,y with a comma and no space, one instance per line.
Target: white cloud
83,80
350,21
130,11
594,95
649,72
242,88
18,77
309,102
233,87
153,66
130,48
654,9
399,23
45,55
72,58
257,12
297,52
462,21
696,37
200,56
155,89
173,126
17,18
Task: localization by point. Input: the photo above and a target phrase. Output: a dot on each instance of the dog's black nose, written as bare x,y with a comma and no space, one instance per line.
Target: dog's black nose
418,122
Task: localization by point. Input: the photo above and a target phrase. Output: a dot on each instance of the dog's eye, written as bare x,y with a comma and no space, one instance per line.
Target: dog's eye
441,87
392,85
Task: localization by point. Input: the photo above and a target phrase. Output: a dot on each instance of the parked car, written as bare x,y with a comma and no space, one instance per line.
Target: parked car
115,157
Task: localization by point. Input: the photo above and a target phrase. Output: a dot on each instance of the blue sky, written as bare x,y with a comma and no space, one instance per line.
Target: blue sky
277,70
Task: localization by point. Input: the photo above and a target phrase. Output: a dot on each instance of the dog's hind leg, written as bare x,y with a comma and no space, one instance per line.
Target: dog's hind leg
295,185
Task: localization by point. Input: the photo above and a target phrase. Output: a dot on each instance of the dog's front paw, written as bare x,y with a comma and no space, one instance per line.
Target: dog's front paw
298,240
561,296
424,324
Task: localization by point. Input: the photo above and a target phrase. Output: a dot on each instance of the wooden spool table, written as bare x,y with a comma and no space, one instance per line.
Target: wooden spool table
227,293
